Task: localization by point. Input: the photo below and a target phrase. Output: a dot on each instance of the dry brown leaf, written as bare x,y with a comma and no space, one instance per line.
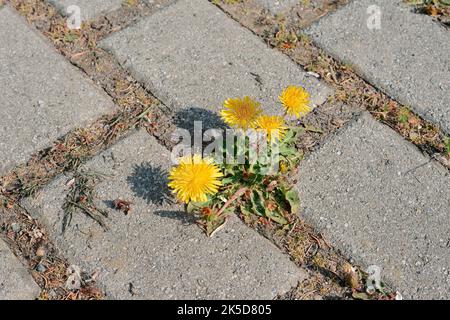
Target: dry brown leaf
123,205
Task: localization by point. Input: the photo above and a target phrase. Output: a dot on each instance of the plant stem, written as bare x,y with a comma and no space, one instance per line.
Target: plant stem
235,196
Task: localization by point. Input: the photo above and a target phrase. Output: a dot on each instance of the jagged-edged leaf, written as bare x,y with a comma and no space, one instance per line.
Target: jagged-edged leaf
228,180
245,210
294,200
288,151
275,216
257,200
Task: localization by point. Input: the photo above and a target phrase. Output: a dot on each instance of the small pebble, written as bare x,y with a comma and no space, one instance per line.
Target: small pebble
41,268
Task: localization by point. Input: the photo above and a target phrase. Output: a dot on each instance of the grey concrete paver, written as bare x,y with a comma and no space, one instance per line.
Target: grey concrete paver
42,95
383,203
277,6
15,281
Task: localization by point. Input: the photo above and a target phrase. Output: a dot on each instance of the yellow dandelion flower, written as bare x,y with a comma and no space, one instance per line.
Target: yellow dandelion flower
274,125
241,113
195,178
296,101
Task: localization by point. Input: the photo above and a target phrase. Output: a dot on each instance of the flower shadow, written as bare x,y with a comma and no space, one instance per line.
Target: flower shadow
185,118
149,182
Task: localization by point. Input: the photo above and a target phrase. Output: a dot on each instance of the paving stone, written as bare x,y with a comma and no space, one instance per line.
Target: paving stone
89,9
275,6
42,95
156,252
407,57
192,56
383,203
15,281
